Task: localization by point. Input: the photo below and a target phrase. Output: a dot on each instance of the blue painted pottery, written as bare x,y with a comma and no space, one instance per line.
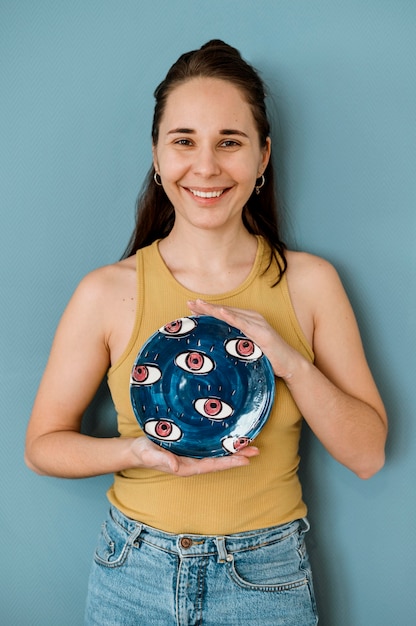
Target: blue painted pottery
200,388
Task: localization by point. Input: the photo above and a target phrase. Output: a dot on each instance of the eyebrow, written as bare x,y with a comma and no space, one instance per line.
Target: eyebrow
190,131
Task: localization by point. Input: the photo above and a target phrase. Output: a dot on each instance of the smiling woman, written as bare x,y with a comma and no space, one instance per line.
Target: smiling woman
207,241
215,162
219,62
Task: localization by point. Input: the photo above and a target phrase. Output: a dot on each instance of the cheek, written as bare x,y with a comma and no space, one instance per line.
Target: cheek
248,173
171,168
249,167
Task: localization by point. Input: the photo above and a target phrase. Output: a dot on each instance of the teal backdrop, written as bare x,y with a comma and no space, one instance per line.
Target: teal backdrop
76,84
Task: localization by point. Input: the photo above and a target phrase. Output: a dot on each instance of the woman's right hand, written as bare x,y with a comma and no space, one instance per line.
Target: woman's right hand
152,456
71,454
86,343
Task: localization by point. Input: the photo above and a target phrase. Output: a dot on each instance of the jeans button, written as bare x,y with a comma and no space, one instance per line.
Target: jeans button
186,542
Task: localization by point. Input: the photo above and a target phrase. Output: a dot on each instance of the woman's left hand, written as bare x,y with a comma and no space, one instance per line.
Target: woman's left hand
336,395
281,355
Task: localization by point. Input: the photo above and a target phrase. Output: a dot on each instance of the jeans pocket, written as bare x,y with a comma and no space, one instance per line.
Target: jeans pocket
275,566
113,545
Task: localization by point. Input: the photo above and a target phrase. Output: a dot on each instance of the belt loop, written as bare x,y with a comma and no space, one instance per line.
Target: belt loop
223,556
304,525
135,533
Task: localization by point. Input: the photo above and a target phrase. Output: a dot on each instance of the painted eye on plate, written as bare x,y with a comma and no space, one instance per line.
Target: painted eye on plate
145,374
244,349
194,362
213,408
234,444
178,327
165,430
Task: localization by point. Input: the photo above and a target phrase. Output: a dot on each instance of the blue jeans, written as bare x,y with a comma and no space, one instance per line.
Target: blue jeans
145,577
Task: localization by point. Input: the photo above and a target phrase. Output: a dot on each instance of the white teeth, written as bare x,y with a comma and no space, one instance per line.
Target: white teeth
206,194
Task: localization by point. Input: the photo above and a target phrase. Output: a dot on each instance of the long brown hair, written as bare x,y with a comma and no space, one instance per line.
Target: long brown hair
154,212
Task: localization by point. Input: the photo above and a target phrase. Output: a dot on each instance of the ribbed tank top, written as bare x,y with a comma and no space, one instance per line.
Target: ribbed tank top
266,492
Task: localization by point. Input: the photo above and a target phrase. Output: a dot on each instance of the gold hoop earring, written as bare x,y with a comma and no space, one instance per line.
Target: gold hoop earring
157,180
258,187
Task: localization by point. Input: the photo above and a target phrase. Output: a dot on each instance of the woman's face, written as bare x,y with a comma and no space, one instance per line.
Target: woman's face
208,153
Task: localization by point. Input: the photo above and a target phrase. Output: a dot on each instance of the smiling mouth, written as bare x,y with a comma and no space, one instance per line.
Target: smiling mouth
207,194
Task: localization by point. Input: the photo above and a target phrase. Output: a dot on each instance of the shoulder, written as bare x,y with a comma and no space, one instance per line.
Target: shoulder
315,289
305,262
310,274
104,282
101,294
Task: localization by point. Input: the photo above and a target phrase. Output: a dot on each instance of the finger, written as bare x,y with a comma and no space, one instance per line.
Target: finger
157,457
249,452
227,314
222,312
223,463
201,305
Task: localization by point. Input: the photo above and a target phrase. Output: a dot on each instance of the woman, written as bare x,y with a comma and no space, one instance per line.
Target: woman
183,542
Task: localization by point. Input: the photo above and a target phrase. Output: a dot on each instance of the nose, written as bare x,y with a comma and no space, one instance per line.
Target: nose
206,162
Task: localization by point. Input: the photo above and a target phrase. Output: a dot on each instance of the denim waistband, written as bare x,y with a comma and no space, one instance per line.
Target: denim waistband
188,544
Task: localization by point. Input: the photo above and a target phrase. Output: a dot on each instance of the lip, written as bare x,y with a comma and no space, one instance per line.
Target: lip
207,194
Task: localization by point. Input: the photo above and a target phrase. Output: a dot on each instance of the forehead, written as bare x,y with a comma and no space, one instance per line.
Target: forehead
207,100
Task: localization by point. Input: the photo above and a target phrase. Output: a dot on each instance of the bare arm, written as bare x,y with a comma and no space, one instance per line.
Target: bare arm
79,359
336,395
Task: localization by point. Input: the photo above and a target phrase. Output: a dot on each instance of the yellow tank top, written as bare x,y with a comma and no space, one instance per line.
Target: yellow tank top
266,492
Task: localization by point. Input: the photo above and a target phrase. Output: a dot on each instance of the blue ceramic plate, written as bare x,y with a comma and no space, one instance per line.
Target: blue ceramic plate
200,388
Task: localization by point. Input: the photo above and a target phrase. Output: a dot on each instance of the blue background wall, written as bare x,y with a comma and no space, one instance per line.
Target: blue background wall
76,83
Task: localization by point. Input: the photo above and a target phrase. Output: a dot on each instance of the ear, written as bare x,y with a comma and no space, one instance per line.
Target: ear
155,161
265,156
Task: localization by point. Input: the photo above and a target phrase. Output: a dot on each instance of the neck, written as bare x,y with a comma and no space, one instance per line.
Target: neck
209,262
195,246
